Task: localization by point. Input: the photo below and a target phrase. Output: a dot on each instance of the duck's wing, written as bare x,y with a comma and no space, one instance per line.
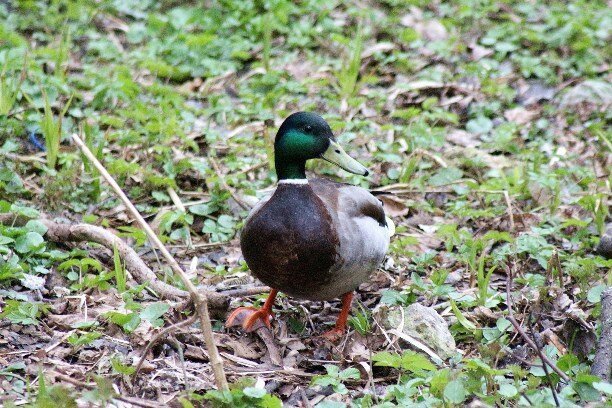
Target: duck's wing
353,201
363,229
259,204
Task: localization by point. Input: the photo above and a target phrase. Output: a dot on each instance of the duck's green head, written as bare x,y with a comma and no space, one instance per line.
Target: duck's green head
304,136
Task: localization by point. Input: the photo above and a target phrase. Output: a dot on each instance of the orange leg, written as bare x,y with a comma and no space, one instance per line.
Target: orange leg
251,318
340,327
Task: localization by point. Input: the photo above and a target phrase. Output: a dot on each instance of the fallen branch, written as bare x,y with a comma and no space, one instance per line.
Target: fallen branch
60,233
602,363
199,298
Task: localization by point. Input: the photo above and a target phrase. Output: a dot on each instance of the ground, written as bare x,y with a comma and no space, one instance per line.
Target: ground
485,122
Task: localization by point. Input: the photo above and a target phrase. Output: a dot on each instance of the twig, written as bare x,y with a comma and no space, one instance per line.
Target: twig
519,329
130,400
246,291
544,367
252,168
509,209
176,200
544,357
434,157
158,336
199,298
224,184
602,362
22,158
179,349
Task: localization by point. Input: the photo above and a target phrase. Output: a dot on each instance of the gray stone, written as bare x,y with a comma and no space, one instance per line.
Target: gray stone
424,324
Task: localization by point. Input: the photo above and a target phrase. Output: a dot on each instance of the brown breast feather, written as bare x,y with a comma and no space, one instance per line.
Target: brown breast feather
290,243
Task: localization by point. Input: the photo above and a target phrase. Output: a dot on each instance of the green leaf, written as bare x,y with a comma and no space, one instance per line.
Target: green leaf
604,387
202,209
479,125
120,277
461,318
350,373
36,226
29,242
455,392
5,240
254,392
586,391
415,362
330,404
567,361
154,311
392,297
121,368
594,294
386,359
445,176
508,390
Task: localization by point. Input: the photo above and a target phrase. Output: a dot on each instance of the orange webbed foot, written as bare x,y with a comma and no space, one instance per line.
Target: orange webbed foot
339,329
333,335
250,318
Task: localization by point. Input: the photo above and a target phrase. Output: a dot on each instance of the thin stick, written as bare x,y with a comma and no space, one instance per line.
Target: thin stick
544,367
224,184
434,157
130,400
528,340
158,336
199,299
179,204
246,291
509,209
519,329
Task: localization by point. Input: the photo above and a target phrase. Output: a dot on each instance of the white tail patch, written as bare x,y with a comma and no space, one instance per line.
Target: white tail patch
390,226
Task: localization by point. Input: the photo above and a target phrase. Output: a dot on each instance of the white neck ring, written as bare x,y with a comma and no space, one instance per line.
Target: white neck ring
293,181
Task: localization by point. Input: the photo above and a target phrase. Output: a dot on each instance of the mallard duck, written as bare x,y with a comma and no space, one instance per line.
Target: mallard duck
312,239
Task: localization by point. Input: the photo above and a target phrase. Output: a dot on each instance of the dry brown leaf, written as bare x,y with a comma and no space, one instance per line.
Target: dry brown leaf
520,115
394,206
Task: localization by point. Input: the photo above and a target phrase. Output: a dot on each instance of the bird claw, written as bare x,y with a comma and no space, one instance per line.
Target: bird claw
249,317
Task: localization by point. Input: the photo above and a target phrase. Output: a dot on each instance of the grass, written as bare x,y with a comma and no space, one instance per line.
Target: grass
9,90
450,104
51,129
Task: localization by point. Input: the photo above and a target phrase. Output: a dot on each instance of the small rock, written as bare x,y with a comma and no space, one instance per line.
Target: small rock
424,324
592,91
605,243
535,93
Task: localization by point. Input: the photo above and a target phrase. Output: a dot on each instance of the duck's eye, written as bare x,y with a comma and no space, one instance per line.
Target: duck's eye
308,128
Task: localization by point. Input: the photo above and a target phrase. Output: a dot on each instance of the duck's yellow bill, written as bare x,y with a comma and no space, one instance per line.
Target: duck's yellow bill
335,154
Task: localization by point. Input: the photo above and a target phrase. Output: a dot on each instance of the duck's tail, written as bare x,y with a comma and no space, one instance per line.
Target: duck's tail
390,226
